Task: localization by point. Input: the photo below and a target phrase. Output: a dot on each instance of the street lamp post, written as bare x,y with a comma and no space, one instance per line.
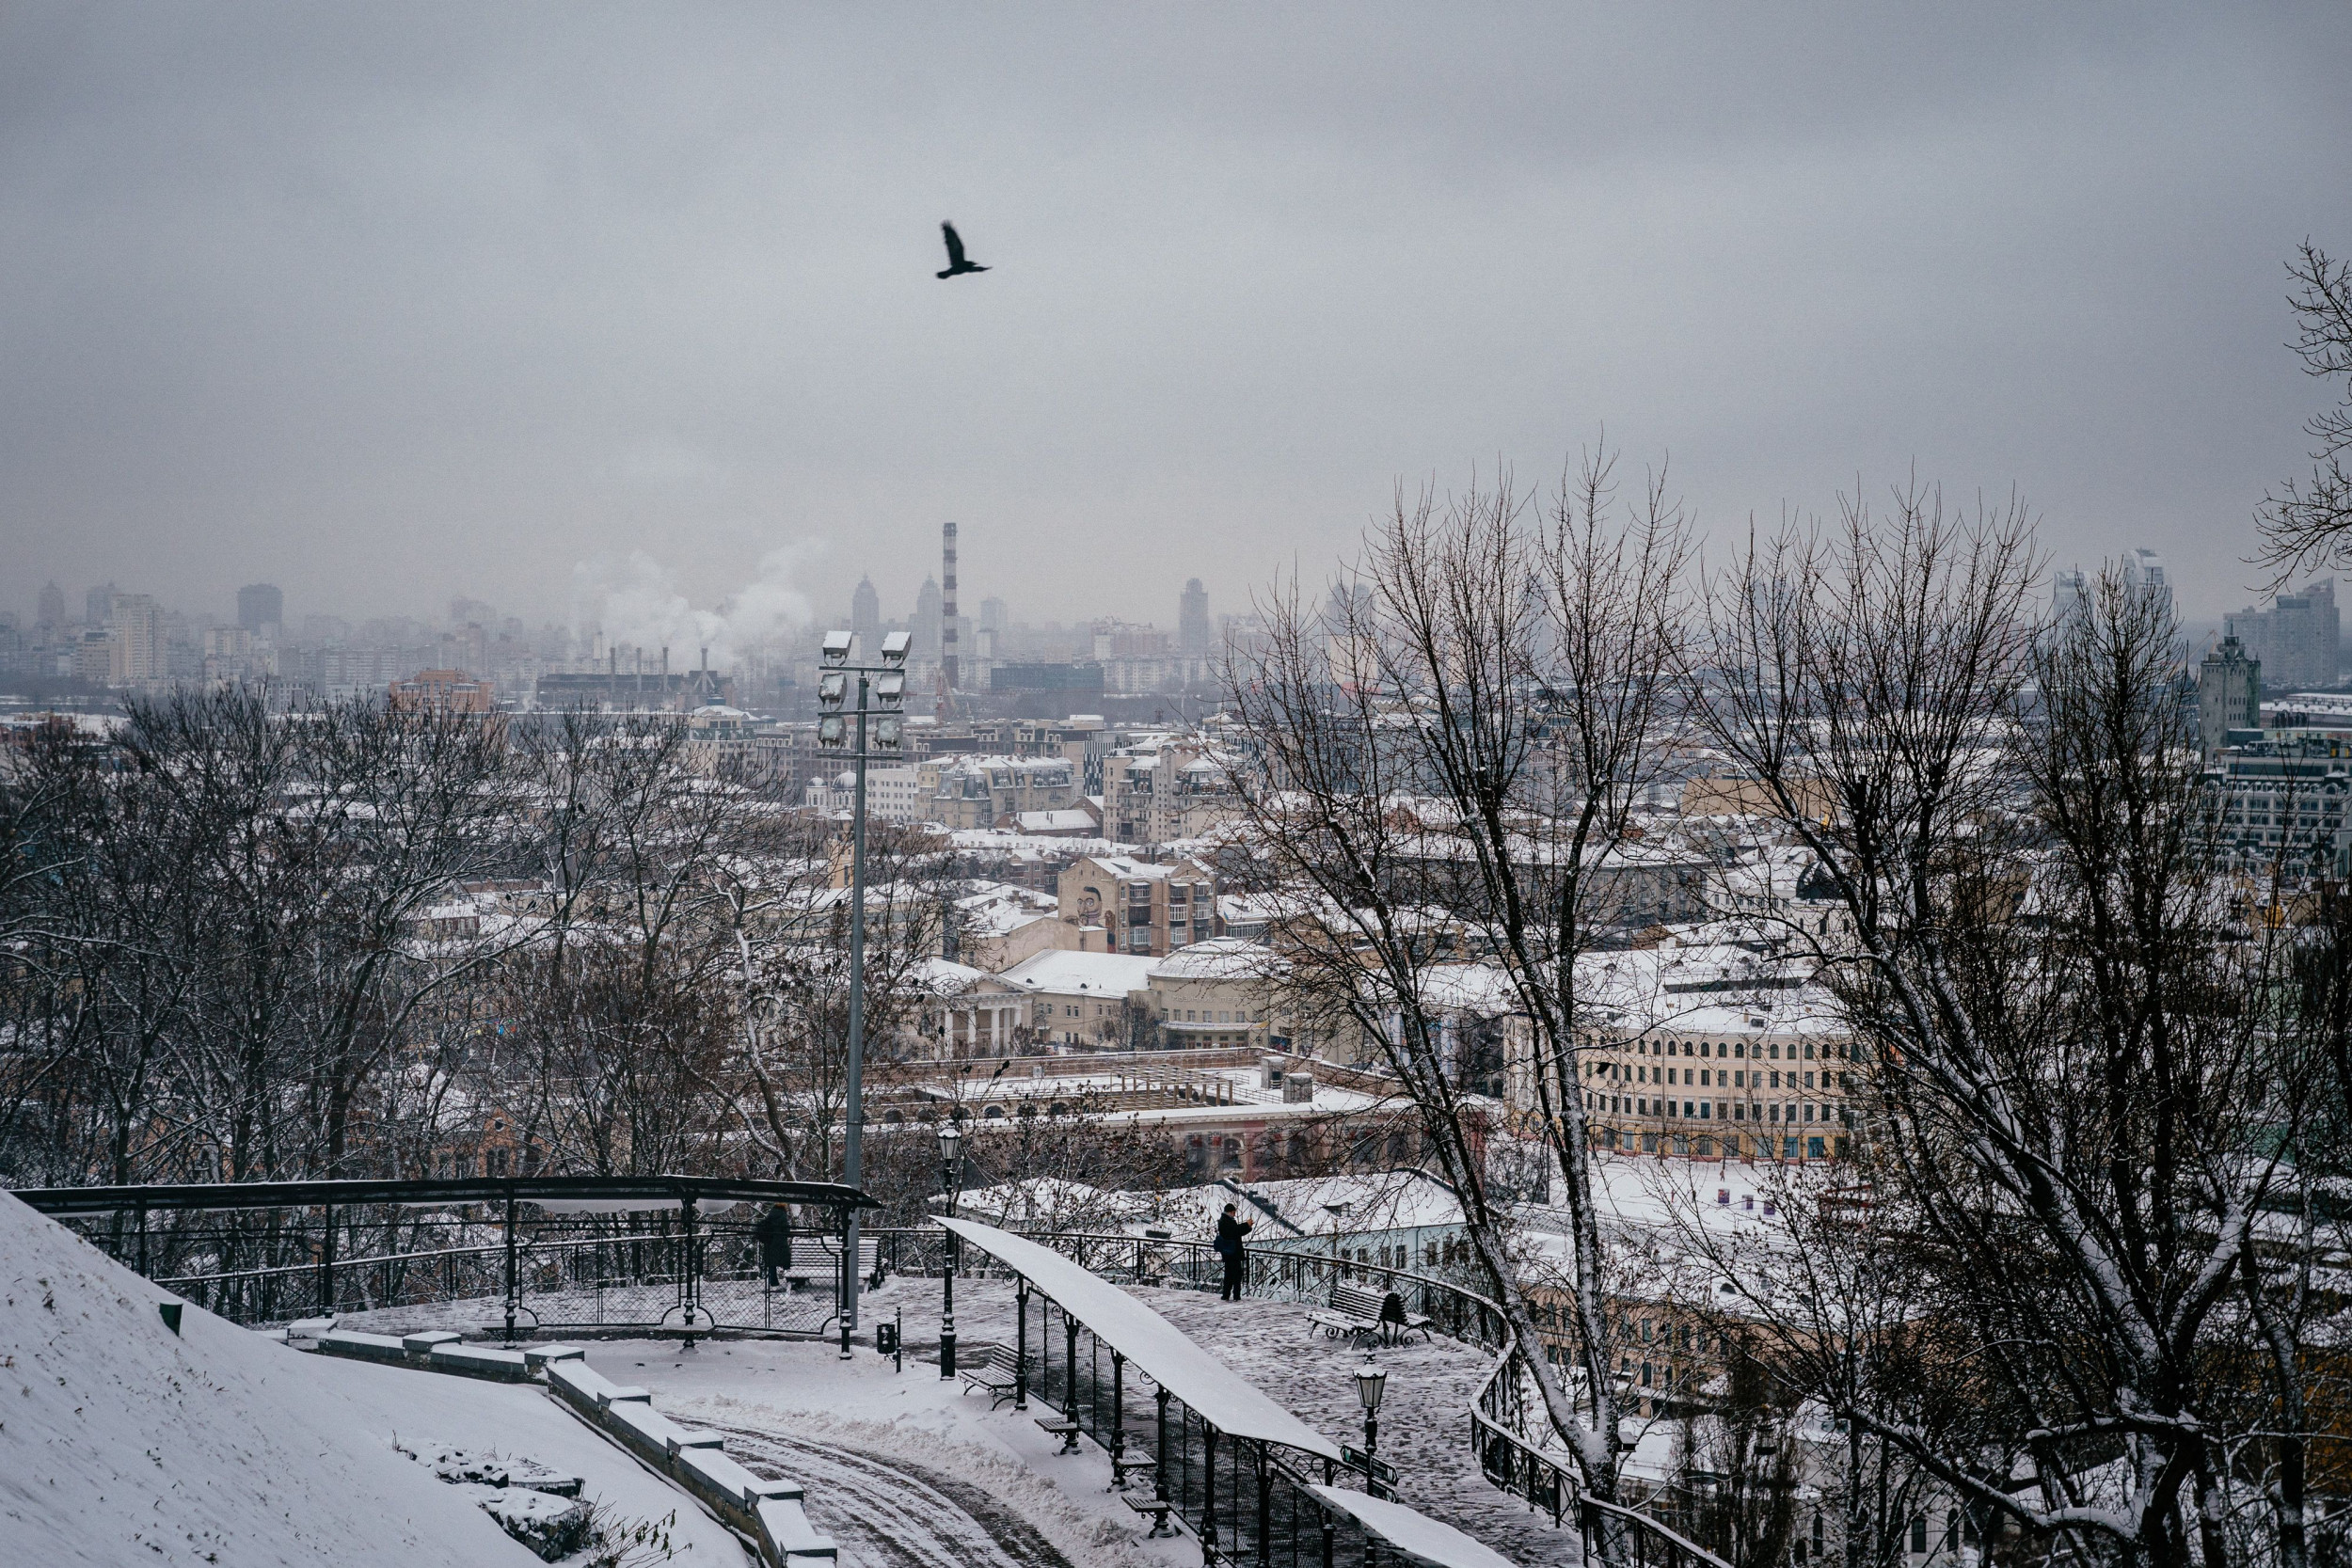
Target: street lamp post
951,1170
881,690
1371,1383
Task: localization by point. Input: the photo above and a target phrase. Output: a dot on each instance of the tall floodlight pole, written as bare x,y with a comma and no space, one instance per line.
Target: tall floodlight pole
881,697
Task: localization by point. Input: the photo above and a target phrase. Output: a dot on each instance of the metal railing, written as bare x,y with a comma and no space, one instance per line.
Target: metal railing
575,1274
1244,1503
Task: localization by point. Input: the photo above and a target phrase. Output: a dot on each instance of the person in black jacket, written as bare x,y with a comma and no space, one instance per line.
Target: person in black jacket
1229,1230
775,1240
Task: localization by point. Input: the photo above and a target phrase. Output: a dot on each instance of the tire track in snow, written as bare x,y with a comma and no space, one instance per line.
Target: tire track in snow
893,1513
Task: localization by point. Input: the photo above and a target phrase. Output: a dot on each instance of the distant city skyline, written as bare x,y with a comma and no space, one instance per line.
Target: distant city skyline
385,306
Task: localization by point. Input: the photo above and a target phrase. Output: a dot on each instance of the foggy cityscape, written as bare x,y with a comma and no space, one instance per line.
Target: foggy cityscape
1469,788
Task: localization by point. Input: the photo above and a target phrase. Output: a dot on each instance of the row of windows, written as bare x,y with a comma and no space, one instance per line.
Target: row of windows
1709,1078
1702,1145
1737,1110
1765,1049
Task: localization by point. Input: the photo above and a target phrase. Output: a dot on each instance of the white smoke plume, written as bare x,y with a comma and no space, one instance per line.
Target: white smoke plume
635,599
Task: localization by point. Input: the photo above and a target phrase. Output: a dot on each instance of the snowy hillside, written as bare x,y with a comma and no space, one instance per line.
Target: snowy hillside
120,1443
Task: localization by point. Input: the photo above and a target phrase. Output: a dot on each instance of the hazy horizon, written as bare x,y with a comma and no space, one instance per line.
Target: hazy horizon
387,306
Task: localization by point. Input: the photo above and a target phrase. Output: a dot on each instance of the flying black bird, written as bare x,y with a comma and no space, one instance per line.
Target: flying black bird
956,263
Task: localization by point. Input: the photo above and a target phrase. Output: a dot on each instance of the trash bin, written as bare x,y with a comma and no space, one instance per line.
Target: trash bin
886,1338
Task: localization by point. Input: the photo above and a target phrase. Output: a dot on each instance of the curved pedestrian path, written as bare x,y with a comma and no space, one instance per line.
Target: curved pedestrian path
891,1512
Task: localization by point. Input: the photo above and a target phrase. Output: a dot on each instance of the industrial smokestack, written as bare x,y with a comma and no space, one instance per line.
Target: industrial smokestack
947,606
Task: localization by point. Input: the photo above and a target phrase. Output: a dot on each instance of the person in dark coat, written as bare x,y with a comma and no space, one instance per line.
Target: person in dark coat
775,1240
1229,1230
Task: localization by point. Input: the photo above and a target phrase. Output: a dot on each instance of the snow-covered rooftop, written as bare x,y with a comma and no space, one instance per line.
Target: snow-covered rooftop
1220,959
1087,974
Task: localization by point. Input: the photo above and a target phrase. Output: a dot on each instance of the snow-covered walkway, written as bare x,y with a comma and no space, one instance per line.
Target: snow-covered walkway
1425,1419
1424,1427
900,1468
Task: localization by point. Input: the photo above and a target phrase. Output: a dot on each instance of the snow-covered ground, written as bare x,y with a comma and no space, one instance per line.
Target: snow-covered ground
120,1442
1424,1428
793,1397
903,1470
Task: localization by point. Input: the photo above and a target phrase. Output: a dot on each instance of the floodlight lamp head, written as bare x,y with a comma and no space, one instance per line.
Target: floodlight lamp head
833,688
832,730
836,647
891,688
894,648
886,732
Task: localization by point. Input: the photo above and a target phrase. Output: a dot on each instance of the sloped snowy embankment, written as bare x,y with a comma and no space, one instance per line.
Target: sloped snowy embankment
120,1443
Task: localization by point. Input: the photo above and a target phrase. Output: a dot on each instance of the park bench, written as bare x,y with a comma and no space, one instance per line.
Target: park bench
1361,1313
827,1264
1158,1508
999,1370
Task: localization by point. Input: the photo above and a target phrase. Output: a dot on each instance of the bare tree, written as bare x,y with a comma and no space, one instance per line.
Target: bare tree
2085,1075
2306,524
1448,757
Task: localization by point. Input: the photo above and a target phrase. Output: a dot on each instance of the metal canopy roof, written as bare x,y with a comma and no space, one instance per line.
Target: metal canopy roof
571,1190
1156,1347
1414,1533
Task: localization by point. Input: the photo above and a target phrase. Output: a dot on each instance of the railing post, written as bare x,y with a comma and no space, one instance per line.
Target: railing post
326,1267
142,1240
1021,1343
510,1266
1159,1448
1118,1414
1070,1370
1208,1494
1265,1511
690,1270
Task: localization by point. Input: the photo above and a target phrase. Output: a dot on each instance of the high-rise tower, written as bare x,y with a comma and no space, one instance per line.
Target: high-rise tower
866,618
1191,619
947,607
260,605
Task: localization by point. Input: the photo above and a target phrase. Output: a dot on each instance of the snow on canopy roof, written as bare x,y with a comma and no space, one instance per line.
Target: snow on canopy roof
1413,1532
1229,1404
627,1205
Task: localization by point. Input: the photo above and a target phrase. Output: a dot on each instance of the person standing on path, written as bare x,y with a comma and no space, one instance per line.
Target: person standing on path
1229,1230
775,1240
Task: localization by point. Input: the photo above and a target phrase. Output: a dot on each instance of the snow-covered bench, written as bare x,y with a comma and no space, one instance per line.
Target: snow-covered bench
999,1370
1362,1313
827,1264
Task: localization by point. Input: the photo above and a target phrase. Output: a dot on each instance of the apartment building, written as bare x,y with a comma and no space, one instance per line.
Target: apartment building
977,791
1141,907
1162,789
1712,1044
443,691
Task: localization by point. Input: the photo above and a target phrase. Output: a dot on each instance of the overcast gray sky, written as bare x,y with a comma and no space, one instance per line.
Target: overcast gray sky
386,303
